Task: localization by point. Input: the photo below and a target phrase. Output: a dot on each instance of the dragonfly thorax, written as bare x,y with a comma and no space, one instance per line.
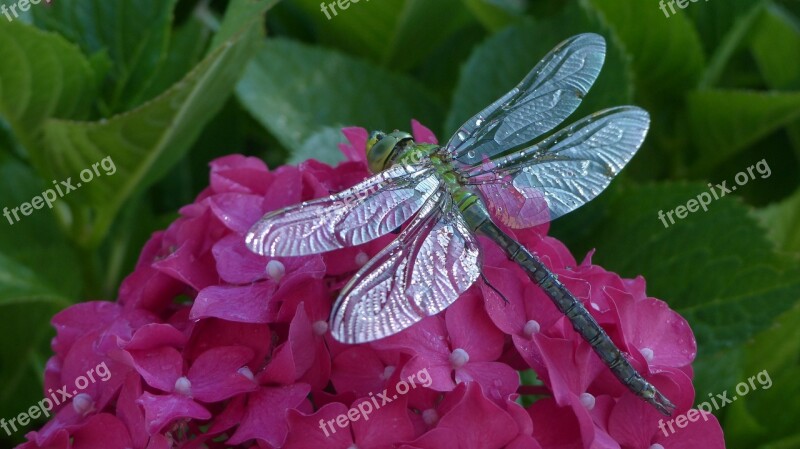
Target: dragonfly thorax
384,148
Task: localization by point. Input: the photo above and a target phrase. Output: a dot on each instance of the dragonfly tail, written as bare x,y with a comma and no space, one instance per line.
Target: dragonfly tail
569,305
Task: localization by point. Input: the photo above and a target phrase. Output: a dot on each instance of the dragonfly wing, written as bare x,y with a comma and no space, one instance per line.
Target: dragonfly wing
421,273
545,98
366,211
564,171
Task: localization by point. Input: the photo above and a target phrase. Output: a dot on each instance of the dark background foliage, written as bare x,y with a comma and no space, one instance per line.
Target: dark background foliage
165,86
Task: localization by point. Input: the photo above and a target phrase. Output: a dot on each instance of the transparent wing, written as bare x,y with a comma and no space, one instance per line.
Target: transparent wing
421,273
368,210
546,97
564,171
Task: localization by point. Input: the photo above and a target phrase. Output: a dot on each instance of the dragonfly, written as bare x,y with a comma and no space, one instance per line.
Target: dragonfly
504,164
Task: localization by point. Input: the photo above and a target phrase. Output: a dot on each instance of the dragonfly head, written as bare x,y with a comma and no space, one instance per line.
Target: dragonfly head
382,148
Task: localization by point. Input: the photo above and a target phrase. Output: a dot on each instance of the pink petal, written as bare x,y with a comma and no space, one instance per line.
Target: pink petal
214,333
358,369
160,411
191,262
80,319
471,329
286,189
652,324
159,441
315,431
87,360
570,368
215,374
266,419
237,211
237,173
247,304
102,431
311,358
555,426
422,134
156,335
382,426
357,149
281,369
703,430
474,422
129,411
497,380
159,367
230,416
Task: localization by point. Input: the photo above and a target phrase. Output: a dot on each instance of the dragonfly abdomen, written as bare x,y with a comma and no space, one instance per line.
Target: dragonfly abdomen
582,321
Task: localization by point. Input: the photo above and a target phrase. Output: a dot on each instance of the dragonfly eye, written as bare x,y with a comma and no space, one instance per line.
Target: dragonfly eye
374,137
381,148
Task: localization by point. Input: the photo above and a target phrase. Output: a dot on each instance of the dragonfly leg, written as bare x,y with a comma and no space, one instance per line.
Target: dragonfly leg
582,320
486,280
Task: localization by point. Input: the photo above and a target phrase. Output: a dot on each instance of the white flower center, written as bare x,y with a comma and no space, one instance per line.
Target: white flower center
320,327
183,386
588,400
83,404
275,270
647,353
531,327
430,416
247,372
362,258
459,358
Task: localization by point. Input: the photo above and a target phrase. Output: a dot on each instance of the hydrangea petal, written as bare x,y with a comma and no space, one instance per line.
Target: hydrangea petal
160,411
215,374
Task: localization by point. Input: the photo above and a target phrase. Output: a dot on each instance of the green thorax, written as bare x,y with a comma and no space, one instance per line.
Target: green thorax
414,154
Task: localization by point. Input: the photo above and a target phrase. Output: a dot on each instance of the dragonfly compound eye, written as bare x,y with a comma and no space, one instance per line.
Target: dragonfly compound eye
381,148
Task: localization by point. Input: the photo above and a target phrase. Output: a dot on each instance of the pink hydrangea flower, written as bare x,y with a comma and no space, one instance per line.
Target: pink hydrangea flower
211,346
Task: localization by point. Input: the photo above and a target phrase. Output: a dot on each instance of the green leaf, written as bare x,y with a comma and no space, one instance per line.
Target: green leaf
35,237
395,33
187,48
27,333
146,142
773,359
792,442
135,35
666,63
724,122
498,64
724,27
30,291
496,14
775,45
420,29
716,20
783,222
365,28
42,75
296,91
327,138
